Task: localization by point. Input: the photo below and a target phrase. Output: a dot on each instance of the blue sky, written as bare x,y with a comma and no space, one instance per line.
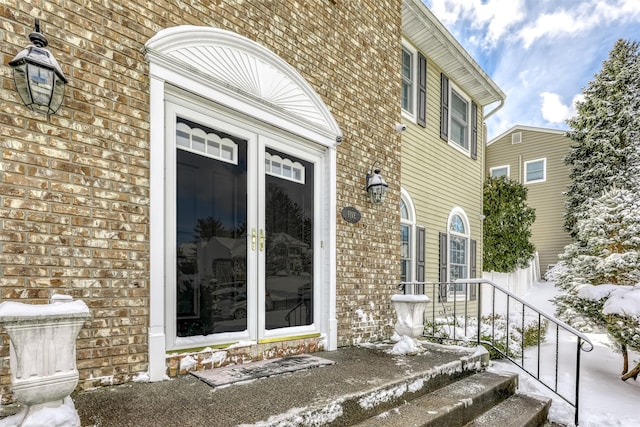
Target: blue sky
541,53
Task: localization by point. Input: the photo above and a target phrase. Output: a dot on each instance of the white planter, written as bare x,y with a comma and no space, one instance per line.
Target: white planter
410,314
43,351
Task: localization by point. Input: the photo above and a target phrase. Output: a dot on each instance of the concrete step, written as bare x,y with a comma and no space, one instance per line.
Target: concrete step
362,383
453,405
518,410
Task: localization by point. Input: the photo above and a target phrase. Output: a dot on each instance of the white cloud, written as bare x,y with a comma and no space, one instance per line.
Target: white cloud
554,111
580,19
495,17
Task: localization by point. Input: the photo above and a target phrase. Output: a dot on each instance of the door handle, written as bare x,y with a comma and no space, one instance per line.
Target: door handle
253,239
261,240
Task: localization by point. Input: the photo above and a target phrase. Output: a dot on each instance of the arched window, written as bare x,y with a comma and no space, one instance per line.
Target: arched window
412,243
407,224
459,251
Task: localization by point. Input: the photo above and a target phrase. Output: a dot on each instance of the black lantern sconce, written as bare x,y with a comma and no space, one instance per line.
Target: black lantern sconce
376,186
38,76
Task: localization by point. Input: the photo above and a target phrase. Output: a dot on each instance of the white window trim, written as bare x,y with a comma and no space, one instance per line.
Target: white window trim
508,167
284,164
411,222
411,115
461,213
222,143
453,87
544,171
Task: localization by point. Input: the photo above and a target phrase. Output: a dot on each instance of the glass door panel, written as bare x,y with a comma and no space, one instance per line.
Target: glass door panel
211,213
289,224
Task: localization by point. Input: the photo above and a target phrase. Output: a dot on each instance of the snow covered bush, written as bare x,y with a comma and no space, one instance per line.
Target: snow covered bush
493,329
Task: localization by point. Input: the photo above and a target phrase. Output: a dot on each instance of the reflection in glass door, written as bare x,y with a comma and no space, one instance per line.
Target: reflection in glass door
244,245
211,211
288,208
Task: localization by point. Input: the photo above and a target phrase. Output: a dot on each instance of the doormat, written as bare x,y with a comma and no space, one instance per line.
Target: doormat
264,368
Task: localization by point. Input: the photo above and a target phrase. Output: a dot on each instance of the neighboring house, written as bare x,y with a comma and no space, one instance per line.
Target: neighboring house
444,96
535,157
204,152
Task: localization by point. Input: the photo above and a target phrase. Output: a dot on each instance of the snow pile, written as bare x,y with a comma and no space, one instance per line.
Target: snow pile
188,363
64,415
406,345
596,293
142,377
10,309
623,302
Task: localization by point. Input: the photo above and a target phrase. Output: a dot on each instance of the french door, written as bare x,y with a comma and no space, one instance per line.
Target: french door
245,221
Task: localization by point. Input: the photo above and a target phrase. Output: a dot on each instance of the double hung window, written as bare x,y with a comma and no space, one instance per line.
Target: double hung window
535,171
414,85
458,118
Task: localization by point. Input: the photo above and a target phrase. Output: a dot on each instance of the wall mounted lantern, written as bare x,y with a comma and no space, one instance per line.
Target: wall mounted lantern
376,186
38,76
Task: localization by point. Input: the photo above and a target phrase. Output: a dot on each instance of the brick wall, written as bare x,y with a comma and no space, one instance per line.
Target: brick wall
74,187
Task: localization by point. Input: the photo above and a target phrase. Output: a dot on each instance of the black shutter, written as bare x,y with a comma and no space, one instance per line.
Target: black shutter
474,131
420,254
422,90
444,107
442,294
473,269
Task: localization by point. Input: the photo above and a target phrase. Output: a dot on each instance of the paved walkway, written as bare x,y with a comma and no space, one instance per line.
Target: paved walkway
187,401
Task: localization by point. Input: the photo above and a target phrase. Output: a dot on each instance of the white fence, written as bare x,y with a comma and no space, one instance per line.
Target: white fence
517,282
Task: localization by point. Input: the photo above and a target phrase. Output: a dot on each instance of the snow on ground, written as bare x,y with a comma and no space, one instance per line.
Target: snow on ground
605,400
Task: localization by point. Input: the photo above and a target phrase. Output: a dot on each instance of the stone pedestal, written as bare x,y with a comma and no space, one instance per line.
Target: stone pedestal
43,352
410,314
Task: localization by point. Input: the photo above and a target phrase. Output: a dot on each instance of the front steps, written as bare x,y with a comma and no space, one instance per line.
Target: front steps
455,394
482,399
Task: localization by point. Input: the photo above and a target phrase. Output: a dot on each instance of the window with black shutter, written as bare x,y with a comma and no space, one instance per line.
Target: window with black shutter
473,270
444,107
420,254
421,117
442,277
474,131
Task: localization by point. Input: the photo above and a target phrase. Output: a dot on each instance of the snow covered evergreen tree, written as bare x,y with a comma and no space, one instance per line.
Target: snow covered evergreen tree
603,262
606,252
603,200
606,132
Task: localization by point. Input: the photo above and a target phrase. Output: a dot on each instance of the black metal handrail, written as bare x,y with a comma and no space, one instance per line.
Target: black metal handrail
459,303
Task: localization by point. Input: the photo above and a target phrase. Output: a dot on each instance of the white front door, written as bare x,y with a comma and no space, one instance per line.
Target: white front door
245,217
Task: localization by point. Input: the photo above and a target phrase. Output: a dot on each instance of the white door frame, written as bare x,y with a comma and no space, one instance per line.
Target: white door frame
180,57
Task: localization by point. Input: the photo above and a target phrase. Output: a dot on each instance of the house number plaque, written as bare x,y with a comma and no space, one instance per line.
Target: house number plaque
351,214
